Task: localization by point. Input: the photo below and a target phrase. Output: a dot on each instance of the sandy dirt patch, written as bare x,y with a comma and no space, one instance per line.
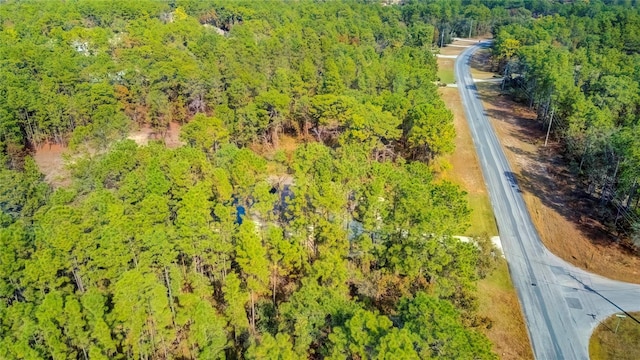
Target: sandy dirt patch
49,157
171,137
51,163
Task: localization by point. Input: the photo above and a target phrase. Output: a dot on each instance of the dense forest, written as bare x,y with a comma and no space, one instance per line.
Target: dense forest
339,244
579,67
233,246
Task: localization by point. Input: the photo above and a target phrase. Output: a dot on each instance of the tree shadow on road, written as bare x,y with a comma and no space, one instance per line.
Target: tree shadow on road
544,174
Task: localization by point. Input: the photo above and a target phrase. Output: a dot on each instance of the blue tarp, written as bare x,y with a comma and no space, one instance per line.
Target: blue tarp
240,213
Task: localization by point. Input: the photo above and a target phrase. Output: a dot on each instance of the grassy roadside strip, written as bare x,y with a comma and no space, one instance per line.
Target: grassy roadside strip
498,301
616,338
559,209
497,298
446,76
523,152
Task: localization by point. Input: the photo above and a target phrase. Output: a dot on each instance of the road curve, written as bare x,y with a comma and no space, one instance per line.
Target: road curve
562,304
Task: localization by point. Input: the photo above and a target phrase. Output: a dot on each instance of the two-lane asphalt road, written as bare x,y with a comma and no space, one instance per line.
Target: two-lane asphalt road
562,304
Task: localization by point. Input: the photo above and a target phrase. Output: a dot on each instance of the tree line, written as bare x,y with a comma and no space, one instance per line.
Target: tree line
144,257
578,67
341,248
78,74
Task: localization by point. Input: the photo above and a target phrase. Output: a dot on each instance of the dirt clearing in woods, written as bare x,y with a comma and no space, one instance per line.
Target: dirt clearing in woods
51,162
144,134
562,212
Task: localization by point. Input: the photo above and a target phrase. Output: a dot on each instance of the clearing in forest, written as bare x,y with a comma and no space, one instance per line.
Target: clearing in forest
50,160
145,133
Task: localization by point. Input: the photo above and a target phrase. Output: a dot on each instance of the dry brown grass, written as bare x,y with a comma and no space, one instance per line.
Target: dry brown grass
454,50
497,299
613,342
562,212
481,65
286,143
466,168
289,144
